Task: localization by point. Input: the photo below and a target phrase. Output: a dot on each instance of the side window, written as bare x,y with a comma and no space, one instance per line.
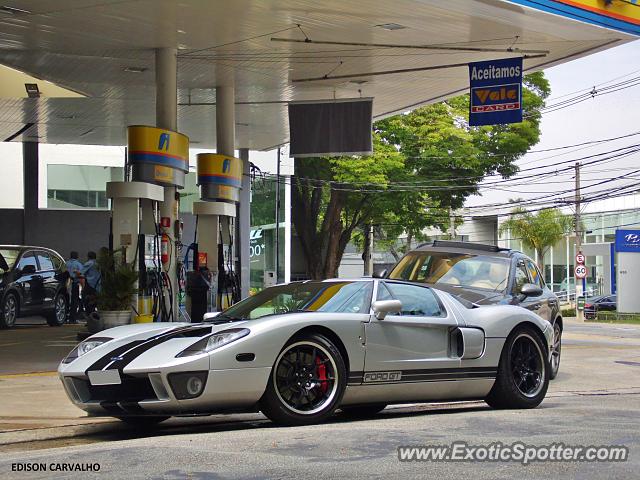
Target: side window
416,300
45,261
383,292
534,274
522,277
58,263
28,259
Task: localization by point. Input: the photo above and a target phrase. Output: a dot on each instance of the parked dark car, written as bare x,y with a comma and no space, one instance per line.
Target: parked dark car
32,282
484,275
601,303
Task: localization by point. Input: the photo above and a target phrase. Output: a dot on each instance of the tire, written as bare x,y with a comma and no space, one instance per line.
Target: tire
363,411
60,309
556,351
10,311
306,383
143,421
523,371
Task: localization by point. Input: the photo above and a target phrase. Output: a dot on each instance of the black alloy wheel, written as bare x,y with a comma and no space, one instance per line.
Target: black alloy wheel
307,382
523,371
10,311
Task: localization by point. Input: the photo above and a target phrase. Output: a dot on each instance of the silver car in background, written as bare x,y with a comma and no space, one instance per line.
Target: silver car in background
299,351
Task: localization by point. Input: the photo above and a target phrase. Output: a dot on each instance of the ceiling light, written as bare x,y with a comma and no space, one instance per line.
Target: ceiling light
135,69
181,31
13,10
391,26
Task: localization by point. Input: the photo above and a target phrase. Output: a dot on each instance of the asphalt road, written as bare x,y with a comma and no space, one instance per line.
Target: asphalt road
594,401
33,346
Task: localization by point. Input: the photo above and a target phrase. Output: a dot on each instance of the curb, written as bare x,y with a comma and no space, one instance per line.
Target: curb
54,433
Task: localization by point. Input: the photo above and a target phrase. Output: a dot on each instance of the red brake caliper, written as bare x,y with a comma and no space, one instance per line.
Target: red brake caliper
322,375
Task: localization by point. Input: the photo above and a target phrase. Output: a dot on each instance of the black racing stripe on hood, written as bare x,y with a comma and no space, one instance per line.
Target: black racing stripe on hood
106,359
136,350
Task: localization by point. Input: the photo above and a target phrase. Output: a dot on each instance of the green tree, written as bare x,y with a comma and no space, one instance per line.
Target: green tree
539,231
424,162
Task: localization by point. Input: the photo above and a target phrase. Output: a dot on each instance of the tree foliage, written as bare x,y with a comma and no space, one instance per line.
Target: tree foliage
424,162
539,231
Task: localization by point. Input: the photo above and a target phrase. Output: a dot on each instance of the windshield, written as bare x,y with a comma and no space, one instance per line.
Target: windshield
10,256
476,271
314,296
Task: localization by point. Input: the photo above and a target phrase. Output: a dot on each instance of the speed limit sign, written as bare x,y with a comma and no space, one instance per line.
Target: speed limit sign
580,271
580,258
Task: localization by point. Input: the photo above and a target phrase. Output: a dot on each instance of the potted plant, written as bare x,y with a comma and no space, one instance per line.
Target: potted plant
117,288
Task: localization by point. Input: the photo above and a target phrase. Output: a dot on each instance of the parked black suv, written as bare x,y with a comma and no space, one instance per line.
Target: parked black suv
32,282
485,275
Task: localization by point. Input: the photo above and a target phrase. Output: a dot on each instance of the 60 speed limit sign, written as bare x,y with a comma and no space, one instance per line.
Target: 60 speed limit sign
580,271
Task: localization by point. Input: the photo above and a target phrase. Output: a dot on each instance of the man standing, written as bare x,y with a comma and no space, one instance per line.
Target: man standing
74,266
91,275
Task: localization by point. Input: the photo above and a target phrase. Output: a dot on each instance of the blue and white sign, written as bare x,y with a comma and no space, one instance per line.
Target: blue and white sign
628,241
496,92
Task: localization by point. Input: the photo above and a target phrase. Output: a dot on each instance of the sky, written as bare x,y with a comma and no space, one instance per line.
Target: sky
605,116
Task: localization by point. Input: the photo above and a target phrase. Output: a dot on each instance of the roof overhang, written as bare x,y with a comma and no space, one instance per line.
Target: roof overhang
105,51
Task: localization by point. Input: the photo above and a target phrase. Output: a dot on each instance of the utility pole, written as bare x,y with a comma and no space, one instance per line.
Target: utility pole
368,262
452,224
579,290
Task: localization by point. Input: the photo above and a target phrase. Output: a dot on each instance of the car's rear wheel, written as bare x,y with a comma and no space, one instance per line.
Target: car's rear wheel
143,421
59,314
523,371
10,311
556,350
363,411
306,383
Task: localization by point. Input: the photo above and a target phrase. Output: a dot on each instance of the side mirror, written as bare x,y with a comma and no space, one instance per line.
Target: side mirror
382,308
28,270
380,273
210,315
530,290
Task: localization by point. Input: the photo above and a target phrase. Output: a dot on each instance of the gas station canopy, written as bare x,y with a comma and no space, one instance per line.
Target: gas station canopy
103,50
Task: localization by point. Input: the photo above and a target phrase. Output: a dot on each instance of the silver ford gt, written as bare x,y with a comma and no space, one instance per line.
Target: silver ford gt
297,352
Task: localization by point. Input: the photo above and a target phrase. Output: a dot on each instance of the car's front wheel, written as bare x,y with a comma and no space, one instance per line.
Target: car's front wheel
59,314
10,309
306,383
556,350
523,371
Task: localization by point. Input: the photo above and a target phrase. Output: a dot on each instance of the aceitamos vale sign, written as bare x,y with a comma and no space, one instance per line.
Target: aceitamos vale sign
496,92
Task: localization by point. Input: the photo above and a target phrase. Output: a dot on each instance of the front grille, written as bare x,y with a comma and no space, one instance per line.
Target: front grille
132,389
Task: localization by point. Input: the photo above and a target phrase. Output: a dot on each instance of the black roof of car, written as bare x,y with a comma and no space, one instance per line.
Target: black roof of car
465,247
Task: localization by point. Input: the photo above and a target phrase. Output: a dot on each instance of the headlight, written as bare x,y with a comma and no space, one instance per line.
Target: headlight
85,347
217,340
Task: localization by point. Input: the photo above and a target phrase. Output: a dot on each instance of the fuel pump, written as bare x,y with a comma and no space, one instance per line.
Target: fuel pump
220,180
157,158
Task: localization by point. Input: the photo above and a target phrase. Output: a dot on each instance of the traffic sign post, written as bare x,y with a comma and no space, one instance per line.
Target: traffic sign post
580,273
